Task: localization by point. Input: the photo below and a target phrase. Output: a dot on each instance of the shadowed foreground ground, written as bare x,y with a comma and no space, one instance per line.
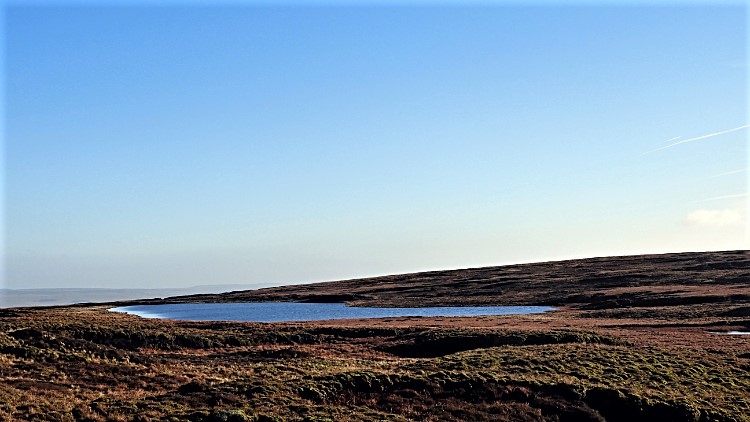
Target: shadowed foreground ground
634,339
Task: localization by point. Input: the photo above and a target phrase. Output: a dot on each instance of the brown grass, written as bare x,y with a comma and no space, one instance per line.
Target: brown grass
652,357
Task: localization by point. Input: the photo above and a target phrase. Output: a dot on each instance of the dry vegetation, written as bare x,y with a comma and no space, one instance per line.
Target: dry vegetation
633,340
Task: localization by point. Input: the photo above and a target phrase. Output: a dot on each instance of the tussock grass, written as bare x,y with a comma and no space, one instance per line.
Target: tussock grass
96,366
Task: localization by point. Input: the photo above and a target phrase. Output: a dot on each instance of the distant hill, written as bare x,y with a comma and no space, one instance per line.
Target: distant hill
595,283
68,296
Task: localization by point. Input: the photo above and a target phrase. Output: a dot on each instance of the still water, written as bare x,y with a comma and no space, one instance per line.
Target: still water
290,311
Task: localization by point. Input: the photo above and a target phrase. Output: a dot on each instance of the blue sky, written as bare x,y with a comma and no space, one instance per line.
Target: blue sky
182,144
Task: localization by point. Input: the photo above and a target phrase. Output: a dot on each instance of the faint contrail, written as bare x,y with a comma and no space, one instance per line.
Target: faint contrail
718,198
697,138
672,139
726,173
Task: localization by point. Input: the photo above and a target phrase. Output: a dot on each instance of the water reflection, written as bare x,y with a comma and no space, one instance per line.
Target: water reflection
290,311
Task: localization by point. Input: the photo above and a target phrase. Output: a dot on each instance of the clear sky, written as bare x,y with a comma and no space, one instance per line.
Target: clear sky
182,144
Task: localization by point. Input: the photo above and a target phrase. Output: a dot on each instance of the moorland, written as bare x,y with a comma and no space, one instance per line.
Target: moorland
633,338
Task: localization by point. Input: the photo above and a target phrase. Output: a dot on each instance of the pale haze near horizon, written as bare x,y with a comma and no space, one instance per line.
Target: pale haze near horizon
175,146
